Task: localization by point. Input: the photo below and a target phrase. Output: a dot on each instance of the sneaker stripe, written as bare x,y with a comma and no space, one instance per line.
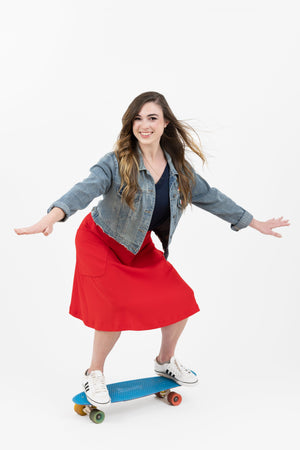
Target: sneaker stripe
168,372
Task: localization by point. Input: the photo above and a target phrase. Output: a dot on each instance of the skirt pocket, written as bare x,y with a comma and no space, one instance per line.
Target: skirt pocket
91,252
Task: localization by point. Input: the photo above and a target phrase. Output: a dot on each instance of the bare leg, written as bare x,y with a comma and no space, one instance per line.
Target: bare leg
170,336
103,344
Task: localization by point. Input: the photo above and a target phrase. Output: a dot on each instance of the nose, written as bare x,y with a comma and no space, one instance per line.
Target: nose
144,125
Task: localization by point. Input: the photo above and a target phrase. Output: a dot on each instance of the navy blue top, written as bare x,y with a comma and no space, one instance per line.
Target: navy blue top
162,201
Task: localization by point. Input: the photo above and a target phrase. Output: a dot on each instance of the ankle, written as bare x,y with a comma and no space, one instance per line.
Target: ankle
92,368
161,360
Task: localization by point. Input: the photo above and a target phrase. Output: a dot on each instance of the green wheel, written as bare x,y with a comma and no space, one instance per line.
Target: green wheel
97,416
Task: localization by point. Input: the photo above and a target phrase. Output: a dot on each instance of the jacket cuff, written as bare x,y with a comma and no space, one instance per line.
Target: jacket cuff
243,222
62,206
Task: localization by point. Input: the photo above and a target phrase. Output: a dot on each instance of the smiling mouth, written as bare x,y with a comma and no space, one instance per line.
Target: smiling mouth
145,134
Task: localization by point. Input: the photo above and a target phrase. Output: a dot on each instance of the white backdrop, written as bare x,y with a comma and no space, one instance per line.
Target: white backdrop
69,69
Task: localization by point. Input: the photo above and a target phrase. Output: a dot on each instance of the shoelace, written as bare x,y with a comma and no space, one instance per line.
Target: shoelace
180,367
97,382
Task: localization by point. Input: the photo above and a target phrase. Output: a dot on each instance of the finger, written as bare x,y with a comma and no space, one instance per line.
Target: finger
283,223
48,230
27,230
275,234
20,231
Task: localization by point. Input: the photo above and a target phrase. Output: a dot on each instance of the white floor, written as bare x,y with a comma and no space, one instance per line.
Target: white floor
237,414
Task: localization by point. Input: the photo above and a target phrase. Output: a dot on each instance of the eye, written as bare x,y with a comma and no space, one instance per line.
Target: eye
153,118
137,118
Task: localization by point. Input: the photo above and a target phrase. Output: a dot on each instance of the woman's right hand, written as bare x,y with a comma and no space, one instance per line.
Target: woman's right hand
45,225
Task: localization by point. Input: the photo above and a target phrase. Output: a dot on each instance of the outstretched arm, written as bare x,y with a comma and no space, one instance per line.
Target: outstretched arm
267,226
78,197
215,202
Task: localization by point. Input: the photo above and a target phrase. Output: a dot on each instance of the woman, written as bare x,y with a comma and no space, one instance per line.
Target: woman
122,281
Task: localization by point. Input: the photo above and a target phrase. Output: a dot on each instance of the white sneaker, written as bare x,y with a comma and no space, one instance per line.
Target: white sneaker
176,371
95,388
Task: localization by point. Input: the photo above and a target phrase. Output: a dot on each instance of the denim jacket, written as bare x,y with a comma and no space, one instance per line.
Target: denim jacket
130,227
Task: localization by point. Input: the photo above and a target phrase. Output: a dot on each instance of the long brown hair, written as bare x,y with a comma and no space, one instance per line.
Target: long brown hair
177,137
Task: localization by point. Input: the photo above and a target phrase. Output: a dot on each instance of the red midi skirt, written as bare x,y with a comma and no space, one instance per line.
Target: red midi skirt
115,290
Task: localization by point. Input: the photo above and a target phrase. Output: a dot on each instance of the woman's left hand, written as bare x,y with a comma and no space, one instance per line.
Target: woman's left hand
267,226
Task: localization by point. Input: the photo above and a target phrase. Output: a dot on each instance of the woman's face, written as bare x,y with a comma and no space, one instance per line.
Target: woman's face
149,124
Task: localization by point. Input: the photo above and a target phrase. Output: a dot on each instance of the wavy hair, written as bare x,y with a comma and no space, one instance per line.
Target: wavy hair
177,137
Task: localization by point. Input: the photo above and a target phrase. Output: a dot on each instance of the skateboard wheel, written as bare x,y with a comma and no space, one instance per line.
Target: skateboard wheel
97,416
79,409
174,398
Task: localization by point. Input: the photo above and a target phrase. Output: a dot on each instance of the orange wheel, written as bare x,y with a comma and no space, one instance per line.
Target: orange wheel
79,409
174,398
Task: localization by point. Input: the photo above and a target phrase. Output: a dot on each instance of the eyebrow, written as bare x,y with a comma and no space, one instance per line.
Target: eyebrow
138,115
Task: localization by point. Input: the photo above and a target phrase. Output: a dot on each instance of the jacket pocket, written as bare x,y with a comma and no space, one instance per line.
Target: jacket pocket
120,191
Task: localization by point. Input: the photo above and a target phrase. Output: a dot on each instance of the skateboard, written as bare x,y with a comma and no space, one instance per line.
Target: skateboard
129,390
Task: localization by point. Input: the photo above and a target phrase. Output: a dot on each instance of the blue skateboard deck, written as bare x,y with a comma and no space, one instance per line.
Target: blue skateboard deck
132,389
129,390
